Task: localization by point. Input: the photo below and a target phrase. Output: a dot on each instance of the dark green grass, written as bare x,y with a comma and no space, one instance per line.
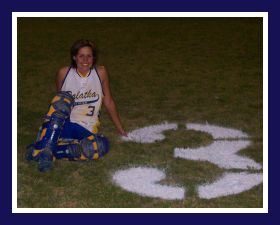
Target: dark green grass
161,69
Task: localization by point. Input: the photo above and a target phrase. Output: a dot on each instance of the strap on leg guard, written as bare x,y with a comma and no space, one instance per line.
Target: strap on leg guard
94,147
59,110
71,150
90,148
61,104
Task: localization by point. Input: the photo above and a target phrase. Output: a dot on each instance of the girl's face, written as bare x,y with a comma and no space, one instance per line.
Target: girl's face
84,59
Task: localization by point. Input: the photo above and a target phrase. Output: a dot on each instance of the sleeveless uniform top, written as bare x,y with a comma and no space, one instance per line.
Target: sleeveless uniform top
88,94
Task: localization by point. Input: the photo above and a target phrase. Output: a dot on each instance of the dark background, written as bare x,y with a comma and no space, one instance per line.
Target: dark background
7,7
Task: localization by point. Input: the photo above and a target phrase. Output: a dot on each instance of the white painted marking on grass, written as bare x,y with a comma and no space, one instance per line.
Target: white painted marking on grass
220,153
150,134
216,131
230,184
143,181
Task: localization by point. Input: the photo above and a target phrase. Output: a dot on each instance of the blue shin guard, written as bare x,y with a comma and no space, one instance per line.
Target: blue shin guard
49,141
71,151
90,148
59,110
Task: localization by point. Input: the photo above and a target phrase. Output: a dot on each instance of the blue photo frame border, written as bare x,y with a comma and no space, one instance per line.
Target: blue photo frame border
140,6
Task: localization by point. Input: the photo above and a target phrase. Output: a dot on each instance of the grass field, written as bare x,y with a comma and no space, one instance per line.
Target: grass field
161,69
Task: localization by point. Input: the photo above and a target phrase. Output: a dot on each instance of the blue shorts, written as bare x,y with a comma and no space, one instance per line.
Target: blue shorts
70,131
74,131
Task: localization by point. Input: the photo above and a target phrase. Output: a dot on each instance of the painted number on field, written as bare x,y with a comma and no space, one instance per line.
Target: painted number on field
227,142
132,180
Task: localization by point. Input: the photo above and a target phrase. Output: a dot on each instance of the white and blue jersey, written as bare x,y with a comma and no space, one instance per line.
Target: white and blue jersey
88,94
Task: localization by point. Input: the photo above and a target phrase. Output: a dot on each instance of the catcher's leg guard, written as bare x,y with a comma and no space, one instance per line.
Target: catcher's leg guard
70,150
90,148
94,147
62,103
59,110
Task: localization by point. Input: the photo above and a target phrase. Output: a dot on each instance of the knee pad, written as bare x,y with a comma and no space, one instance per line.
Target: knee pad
94,147
59,110
62,104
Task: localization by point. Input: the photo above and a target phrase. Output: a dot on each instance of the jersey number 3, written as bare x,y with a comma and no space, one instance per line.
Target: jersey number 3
91,112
